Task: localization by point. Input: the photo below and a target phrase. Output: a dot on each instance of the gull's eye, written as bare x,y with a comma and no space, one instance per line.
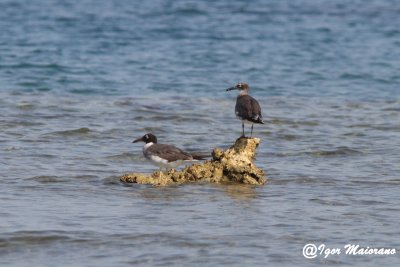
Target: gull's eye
239,85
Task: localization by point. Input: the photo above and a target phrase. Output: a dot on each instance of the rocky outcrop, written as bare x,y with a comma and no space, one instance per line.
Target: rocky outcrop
235,165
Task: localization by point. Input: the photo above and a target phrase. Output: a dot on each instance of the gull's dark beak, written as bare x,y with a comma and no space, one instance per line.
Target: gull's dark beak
231,88
137,140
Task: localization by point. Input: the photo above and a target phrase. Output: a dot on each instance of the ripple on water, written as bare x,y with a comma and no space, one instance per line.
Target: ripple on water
354,134
123,157
18,123
285,121
31,238
85,177
382,127
288,137
25,65
339,151
83,91
25,105
74,132
112,180
44,179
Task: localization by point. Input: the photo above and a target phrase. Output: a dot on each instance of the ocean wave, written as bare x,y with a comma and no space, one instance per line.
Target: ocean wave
47,179
339,151
74,132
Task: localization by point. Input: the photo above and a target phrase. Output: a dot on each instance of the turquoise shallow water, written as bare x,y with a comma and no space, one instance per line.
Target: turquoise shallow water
79,80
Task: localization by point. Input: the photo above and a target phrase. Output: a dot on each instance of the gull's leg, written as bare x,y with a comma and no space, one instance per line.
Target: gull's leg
251,134
242,129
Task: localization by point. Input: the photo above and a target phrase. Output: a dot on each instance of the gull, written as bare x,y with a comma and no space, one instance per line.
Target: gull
247,108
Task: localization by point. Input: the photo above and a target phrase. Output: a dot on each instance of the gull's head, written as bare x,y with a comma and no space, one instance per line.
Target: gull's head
147,138
242,87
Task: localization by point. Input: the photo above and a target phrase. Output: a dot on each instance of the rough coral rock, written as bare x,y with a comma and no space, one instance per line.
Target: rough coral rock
235,165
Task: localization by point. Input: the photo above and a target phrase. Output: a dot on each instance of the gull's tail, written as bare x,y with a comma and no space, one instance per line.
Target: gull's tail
200,156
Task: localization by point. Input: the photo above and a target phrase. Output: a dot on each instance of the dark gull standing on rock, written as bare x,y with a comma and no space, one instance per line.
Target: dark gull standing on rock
247,108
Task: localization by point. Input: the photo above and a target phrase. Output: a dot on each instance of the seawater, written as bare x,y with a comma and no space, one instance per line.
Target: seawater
79,80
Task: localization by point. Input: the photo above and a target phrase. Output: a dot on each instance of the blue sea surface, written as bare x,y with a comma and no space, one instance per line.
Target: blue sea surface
79,80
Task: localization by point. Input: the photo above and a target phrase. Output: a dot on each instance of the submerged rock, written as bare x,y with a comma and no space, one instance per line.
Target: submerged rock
235,165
